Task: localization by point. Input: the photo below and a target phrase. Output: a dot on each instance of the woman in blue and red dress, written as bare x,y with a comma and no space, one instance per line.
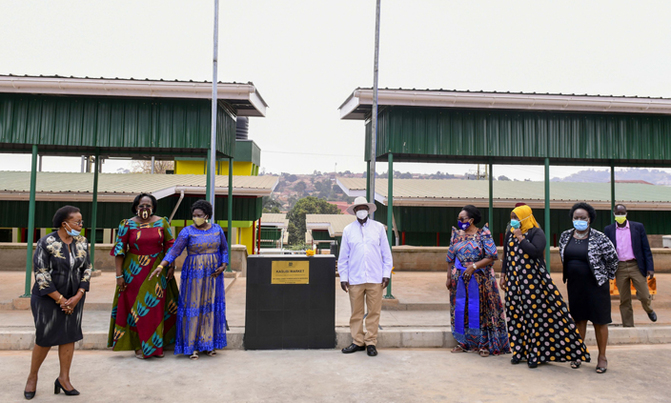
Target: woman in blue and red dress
477,318
145,306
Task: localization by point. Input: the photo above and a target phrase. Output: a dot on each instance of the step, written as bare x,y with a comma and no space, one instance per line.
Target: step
396,337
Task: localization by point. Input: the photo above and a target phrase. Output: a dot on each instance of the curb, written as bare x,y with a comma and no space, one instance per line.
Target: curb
394,337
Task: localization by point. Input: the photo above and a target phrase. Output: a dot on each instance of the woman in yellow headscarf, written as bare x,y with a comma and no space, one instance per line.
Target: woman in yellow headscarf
540,328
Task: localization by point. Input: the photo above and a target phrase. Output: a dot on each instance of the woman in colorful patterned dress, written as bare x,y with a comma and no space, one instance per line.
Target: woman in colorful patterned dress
143,313
201,316
62,276
539,325
478,322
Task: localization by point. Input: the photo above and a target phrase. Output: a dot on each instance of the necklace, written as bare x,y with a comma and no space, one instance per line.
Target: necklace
578,235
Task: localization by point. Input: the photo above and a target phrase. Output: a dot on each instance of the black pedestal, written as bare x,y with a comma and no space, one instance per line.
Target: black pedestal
285,315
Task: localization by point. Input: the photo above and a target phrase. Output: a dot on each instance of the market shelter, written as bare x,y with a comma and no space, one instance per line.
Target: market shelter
117,118
425,210
515,128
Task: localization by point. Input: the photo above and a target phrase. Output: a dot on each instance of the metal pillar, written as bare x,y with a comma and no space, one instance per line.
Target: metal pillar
213,136
230,208
373,136
31,221
491,199
209,188
547,213
94,210
612,191
390,213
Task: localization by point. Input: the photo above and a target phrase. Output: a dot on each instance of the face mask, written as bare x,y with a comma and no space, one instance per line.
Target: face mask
144,213
515,224
198,221
621,218
362,214
463,225
580,225
71,231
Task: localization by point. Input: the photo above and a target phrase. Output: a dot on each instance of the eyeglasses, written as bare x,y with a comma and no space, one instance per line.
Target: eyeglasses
79,223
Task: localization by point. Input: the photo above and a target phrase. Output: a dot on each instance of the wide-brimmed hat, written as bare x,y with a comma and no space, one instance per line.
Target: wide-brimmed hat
361,201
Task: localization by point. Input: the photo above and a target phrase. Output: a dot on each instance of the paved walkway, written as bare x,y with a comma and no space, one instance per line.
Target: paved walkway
421,318
635,374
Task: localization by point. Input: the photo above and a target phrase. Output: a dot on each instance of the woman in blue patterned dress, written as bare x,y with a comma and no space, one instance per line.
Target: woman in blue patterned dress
201,315
477,318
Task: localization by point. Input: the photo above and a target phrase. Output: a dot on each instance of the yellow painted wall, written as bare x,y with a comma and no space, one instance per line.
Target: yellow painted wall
195,167
246,238
190,167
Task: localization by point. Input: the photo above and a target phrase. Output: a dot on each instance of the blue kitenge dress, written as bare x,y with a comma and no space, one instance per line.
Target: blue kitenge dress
201,315
477,315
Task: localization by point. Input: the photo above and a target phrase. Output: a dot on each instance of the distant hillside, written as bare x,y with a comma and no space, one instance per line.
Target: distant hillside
654,176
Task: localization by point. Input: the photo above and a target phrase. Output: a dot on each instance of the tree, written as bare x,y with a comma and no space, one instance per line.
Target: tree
160,167
271,205
503,178
296,216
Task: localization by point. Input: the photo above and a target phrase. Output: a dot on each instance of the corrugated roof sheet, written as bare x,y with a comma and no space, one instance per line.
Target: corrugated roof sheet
334,223
64,183
277,219
453,192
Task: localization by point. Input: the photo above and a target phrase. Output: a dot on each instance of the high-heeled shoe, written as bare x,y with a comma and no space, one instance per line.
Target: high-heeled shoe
58,387
28,395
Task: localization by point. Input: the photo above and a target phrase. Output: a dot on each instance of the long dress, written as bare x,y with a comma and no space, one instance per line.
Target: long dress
539,325
201,315
143,315
63,268
477,318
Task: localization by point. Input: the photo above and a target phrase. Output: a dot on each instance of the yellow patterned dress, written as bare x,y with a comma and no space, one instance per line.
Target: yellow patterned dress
143,315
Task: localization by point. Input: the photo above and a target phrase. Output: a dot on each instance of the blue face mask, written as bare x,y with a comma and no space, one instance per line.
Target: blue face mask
580,225
515,223
463,225
72,232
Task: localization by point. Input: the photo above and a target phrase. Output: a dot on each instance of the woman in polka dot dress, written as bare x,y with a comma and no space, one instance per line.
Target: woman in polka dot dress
540,328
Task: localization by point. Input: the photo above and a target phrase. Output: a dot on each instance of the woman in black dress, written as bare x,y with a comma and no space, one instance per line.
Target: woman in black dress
539,325
62,273
590,260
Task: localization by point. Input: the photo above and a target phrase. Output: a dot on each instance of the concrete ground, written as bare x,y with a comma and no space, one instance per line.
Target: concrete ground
420,319
635,374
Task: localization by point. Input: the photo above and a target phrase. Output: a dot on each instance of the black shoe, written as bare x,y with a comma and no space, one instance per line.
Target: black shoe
653,316
28,395
532,365
514,361
58,387
352,348
371,350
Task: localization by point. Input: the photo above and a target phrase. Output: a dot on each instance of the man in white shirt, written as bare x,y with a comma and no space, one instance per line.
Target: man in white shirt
364,266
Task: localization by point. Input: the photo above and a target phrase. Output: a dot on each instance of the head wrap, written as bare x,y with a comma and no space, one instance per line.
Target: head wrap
526,217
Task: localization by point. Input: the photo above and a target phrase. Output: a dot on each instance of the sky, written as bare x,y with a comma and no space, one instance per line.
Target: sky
306,57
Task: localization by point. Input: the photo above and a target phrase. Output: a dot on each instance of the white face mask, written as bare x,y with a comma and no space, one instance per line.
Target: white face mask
362,214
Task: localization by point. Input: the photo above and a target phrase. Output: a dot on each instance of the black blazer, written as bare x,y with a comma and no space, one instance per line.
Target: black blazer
533,245
639,243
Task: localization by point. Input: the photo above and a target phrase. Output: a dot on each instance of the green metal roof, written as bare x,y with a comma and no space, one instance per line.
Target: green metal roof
67,186
457,193
462,126
131,118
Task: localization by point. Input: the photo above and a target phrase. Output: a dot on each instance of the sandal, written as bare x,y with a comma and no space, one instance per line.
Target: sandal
211,353
483,353
160,355
458,349
194,355
576,364
139,355
602,370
